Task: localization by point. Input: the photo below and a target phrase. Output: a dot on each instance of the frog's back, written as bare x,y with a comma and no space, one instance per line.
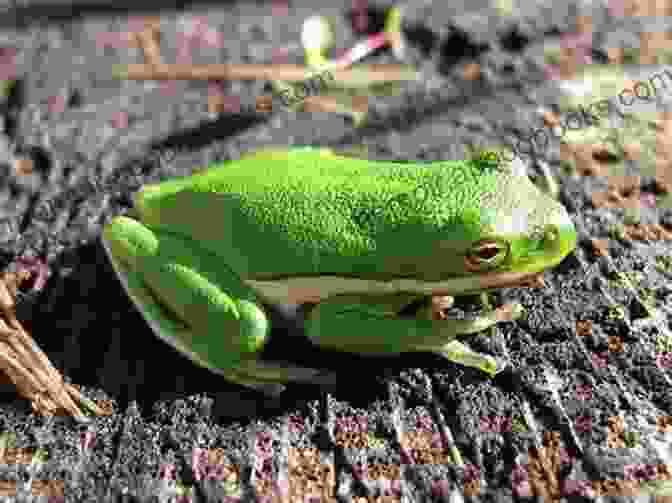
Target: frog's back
306,212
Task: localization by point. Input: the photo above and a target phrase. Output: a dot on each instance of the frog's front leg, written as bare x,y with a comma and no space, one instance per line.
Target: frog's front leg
369,325
197,304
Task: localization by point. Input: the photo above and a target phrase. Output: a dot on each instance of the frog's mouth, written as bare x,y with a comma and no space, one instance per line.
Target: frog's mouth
523,270
300,290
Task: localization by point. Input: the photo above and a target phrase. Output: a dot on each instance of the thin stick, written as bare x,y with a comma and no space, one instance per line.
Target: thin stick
29,368
357,110
148,40
17,370
372,74
42,376
54,378
90,404
13,343
359,104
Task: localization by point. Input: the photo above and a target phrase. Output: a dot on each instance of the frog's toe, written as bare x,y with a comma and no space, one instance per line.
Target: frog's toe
458,353
482,321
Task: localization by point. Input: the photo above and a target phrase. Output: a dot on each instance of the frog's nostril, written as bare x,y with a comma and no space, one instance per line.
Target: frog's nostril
561,235
551,234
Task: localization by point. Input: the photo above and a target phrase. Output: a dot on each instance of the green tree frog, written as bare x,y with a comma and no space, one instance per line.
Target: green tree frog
355,239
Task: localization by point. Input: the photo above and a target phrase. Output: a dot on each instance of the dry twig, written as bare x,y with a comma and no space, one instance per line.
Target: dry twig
363,77
370,75
28,367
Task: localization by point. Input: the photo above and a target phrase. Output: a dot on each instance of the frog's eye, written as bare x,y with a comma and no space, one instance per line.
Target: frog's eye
486,254
488,156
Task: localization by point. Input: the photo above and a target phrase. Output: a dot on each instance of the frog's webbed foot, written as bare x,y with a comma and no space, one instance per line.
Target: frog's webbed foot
455,350
265,376
435,309
377,326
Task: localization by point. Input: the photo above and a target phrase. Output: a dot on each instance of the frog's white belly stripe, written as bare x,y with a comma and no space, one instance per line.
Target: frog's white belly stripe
313,289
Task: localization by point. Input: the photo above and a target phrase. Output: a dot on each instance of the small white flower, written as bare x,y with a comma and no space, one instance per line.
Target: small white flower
317,33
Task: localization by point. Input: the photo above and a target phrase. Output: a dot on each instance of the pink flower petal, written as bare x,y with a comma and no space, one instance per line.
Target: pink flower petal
37,267
136,23
617,8
8,69
424,422
630,471
8,72
280,8
198,30
7,54
215,88
167,472
519,473
296,423
120,120
168,88
523,489
486,425
195,27
552,72
360,470
664,360
584,392
471,472
579,487
342,53
199,24
360,21
441,488
577,41
232,104
280,56
183,55
56,104
105,38
362,49
600,361
565,457
113,39
213,38
584,424
199,459
87,440
648,200
216,472
282,486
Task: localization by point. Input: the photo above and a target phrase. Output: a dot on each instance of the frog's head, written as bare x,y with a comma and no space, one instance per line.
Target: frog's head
523,231
501,231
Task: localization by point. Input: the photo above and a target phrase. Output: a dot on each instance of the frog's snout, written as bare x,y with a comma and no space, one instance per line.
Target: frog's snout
560,236
566,237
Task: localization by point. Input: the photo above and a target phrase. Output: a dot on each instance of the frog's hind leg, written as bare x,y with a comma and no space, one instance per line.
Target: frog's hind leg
196,304
367,326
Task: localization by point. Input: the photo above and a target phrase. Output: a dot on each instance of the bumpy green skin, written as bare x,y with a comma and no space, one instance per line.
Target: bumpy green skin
319,214
193,264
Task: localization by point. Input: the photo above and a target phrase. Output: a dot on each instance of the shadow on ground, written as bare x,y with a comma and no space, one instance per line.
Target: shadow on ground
93,334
